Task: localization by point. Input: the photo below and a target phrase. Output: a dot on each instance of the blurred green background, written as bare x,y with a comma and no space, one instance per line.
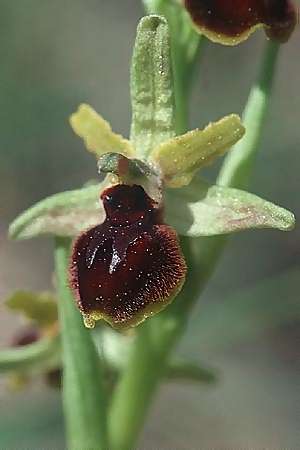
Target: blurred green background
57,54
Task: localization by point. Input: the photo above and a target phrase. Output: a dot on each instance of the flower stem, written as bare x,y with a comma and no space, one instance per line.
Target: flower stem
84,399
131,399
238,164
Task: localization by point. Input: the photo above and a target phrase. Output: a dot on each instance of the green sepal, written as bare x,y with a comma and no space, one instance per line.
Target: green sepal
97,133
63,214
181,157
203,210
152,96
39,307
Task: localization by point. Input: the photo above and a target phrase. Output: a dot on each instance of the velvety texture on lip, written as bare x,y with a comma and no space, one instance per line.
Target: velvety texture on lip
234,18
131,265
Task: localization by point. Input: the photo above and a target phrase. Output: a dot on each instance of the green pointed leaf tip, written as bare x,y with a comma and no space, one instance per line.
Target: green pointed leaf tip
40,307
153,110
64,214
181,157
203,210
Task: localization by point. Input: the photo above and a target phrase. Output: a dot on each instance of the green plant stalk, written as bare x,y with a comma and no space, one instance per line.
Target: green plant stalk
238,164
84,400
158,336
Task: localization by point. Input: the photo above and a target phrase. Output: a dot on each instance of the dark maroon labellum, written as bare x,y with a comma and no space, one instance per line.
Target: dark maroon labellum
131,265
234,18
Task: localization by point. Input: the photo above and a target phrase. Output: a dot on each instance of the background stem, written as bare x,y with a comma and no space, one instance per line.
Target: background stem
238,164
84,400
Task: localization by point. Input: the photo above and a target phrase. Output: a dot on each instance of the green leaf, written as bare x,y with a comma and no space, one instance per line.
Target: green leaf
190,371
203,210
152,97
40,307
181,157
64,214
97,134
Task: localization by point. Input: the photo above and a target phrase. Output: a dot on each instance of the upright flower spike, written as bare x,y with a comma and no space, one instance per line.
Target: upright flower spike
230,22
131,266
127,264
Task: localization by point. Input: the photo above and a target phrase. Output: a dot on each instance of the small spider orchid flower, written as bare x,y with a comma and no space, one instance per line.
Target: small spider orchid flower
38,337
230,22
126,262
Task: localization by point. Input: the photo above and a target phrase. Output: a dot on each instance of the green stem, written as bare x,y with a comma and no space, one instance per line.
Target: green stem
42,354
238,164
133,394
84,399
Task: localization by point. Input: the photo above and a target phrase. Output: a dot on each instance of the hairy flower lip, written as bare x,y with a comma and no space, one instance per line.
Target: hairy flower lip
231,22
130,266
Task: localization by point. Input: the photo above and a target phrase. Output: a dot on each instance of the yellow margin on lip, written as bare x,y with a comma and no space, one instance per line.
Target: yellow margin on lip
152,309
220,38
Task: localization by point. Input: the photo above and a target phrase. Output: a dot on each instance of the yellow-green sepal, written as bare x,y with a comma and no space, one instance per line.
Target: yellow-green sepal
38,307
181,157
97,133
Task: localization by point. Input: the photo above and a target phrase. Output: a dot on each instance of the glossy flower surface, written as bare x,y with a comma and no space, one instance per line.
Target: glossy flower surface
232,21
131,265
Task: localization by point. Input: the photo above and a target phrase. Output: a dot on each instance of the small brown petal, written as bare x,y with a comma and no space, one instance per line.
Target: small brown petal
131,266
232,21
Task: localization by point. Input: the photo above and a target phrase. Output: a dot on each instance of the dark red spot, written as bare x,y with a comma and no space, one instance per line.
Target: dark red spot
25,337
234,18
131,265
